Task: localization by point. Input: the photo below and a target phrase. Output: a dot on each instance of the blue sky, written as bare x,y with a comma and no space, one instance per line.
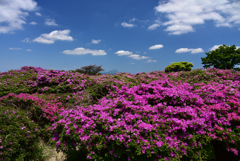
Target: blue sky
127,35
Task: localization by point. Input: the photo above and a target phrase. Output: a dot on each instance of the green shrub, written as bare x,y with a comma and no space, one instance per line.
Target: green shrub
19,135
179,66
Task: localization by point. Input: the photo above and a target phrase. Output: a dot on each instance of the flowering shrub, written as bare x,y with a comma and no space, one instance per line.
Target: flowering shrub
33,80
18,135
150,121
39,110
148,116
41,107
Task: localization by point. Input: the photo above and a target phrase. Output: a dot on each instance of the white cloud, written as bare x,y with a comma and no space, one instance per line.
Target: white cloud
159,46
15,48
13,14
122,53
53,36
28,50
50,22
82,51
182,15
149,61
153,27
38,14
33,23
182,50
96,41
179,29
27,40
198,50
217,46
214,47
129,25
137,57
193,51
130,55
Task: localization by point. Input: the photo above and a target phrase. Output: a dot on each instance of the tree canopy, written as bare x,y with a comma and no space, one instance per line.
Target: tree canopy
91,69
224,57
179,66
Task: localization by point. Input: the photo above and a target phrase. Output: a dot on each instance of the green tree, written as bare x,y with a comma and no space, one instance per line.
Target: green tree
179,66
91,69
224,57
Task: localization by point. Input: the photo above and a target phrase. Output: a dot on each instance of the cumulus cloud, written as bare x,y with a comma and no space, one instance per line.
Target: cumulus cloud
217,46
38,14
129,25
183,15
182,50
130,55
198,50
122,53
15,48
13,14
153,26
53,36
179,29
159,46
33,23
214,47
96,41
137,57
193,51
28,50
82,51
50,22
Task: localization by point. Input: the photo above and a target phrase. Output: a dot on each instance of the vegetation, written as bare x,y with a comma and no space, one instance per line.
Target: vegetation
224,57
90,70
59,102
179,66
19,136
186,115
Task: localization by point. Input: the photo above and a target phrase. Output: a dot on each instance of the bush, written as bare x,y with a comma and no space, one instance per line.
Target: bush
18,135
179,66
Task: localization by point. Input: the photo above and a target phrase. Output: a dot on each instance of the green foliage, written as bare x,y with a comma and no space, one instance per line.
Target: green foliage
90,70
33,112
179,66
224,57
94,92
97,92
18,135
236,69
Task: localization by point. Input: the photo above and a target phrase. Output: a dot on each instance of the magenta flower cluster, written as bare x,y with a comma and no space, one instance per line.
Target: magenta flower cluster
46,81
161,117
148,116
50,109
